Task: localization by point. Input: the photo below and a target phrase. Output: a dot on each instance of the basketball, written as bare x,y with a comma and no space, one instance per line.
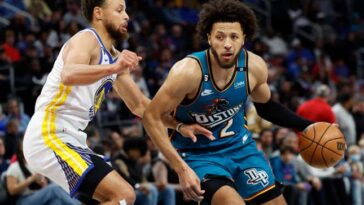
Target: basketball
322,145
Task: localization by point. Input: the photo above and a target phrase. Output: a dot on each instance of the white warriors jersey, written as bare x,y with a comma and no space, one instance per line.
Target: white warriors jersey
74,105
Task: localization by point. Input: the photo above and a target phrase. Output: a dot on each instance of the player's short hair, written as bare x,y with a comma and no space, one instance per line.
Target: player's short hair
88,7
226,11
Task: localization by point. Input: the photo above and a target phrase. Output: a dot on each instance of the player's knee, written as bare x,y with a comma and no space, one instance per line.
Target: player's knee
130,197
118,194
127,194
128,200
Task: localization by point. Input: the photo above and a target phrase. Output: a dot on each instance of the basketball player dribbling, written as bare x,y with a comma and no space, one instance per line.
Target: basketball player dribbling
87,67
229,169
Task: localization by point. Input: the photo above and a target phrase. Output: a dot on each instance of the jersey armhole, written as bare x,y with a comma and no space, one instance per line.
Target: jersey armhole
186,101
90,30
246,69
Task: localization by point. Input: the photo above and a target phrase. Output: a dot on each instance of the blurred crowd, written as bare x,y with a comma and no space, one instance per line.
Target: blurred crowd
313,48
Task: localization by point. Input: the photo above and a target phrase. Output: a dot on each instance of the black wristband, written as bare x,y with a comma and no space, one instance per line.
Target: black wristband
280,115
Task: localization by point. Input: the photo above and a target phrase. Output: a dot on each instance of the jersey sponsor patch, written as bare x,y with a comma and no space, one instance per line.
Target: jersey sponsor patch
238,85
256,177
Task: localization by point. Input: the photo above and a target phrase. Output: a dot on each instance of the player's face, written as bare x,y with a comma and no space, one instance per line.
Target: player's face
226,40
116,19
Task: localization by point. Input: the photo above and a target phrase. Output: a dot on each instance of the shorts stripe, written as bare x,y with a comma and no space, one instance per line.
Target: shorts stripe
69,156
73,179
260,192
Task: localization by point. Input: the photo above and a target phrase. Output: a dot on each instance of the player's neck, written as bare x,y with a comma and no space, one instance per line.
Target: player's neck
105,37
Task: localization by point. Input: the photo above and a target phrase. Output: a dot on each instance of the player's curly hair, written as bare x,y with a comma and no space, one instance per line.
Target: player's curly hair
88,7
226,11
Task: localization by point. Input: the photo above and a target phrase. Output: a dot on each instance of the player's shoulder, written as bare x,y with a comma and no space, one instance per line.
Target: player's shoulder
85,38
186,67
256,64
185,74
256,61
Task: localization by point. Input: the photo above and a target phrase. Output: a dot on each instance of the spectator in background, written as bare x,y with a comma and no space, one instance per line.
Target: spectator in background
356,178
255,122
358,114
285,171
9,47
17,3
128,163
58,35
4,76
163,176
344,118
318,109
341,70
277,46
266,140
285,138
178,42
165,63
93,136
38,8
278,135
139,79
4,163
303,172
74,14
2,122
33,188
14,113
11,138
322,70
117,142
4,59
300,52
291,140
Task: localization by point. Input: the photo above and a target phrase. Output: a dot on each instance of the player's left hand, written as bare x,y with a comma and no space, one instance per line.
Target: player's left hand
190,185
190,131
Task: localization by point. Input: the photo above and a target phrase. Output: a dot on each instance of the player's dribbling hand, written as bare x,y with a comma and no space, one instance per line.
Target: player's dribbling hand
190,131
190,184
127,60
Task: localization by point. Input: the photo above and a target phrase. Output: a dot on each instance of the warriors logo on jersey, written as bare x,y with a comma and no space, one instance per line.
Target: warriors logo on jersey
216,113
100,95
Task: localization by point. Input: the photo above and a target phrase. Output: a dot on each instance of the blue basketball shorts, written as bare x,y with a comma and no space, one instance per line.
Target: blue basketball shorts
241,162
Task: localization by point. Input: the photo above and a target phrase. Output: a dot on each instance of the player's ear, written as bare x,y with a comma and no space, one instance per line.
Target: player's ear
209,39
98,13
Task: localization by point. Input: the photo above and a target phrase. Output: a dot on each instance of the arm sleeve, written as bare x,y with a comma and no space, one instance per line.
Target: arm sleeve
280,115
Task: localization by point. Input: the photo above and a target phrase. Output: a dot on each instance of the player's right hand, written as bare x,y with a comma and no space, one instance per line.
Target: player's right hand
190,184
126,61
190,131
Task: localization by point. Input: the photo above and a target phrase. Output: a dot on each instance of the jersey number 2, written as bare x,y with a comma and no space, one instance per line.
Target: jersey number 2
224,132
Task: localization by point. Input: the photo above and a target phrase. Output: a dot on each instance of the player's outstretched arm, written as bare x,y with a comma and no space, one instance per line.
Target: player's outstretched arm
261,96
81,55
169,96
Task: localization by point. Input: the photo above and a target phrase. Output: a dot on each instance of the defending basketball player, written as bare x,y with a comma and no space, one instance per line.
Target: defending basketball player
87,67
210,88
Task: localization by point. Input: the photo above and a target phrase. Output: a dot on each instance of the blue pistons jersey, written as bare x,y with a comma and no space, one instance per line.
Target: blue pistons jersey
222,111
233,154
